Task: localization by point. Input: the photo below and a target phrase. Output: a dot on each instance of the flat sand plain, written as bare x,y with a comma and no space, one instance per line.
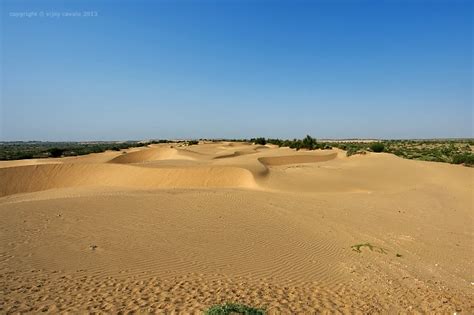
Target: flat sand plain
175,229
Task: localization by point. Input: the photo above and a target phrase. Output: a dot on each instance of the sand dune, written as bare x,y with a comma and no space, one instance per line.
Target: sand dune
177,229
42,177
148,154
237,153
296,159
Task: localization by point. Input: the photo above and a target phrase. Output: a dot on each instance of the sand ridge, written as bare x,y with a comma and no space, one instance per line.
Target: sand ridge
49,176
296,159
126,170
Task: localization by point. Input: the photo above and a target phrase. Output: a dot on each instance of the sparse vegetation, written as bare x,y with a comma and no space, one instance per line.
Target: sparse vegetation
231,308
455,151
377,249
447,151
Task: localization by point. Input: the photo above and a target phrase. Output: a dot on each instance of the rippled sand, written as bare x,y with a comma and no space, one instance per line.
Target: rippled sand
170,228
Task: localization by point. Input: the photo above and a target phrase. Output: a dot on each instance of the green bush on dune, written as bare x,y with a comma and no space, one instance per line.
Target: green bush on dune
352,149
56,152
377,147
231,308
464,158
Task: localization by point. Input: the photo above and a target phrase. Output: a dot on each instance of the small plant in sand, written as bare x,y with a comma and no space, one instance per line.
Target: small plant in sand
231,308
373,248
354,150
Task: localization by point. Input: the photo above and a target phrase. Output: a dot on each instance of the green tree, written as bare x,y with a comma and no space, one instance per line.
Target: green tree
308,143
56,152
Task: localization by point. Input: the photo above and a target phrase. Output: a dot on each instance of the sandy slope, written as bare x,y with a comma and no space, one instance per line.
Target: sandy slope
170,228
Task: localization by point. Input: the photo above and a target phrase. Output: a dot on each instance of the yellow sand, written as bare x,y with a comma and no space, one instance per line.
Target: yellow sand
172,228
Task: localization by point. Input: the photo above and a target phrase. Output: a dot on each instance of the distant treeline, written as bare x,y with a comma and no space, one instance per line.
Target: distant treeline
19,150
455,151
308,143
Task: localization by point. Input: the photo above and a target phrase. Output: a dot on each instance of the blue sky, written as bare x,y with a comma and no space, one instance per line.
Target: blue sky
236,69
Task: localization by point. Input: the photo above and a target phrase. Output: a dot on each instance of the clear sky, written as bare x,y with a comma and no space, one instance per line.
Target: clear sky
235,69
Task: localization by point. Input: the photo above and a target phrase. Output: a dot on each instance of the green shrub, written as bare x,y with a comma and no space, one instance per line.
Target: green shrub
277,142
24,156
464,158
230,308
56,152
355,148
377,147
296,144
260,141
353,151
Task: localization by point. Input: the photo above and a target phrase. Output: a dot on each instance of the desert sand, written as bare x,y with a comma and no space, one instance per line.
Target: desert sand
176,229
